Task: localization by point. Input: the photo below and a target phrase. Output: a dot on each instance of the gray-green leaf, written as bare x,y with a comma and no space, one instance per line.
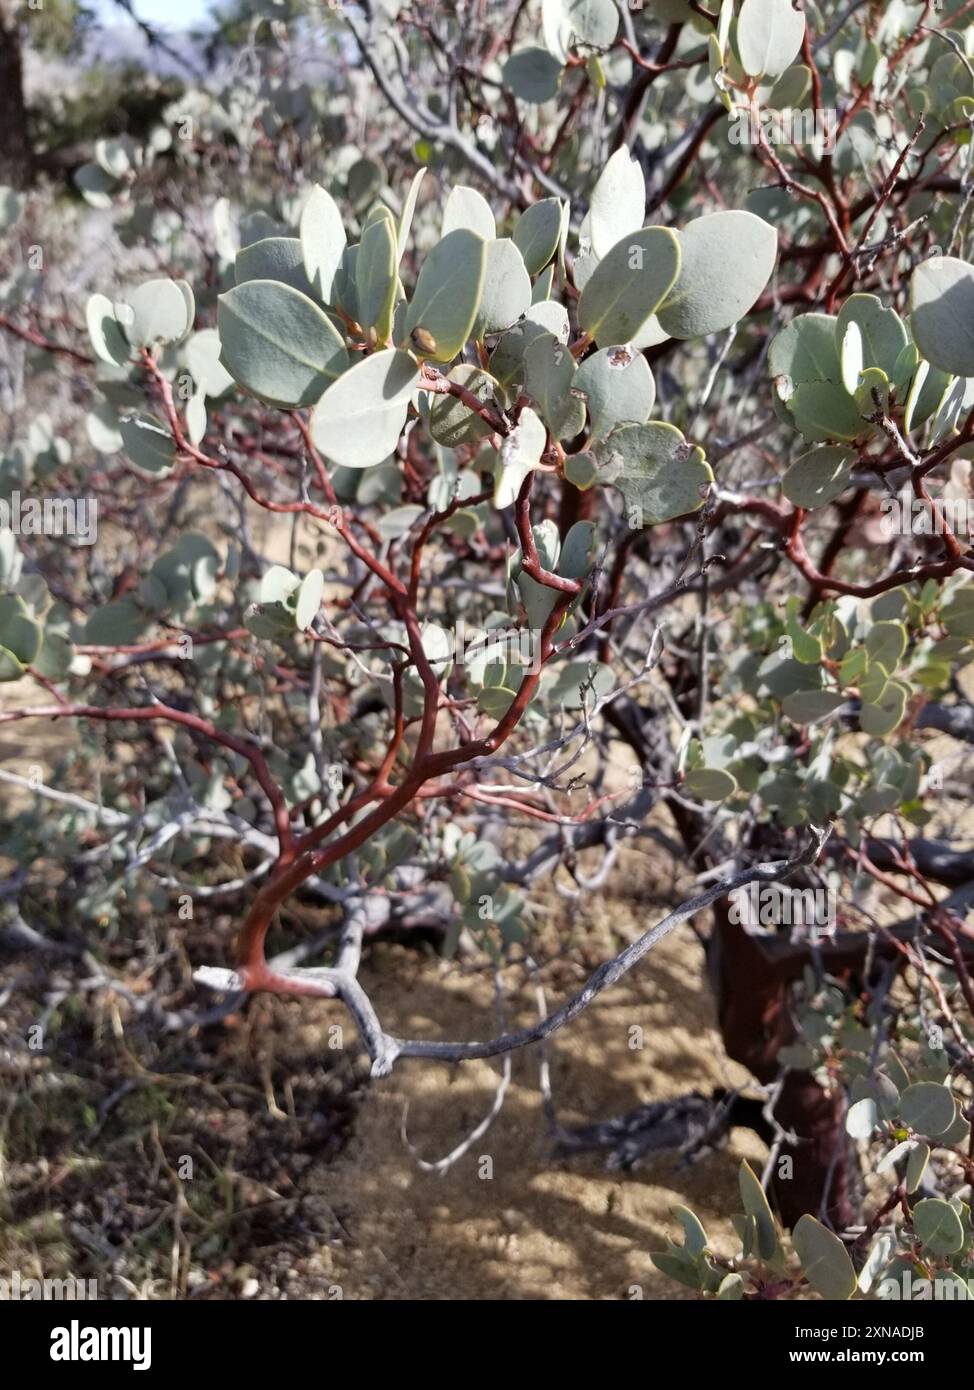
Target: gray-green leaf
150,447
656,470
323,240
452,422
376,276
942,313
619,389
824,1259
618,203
465,207
769,35
549,375
448,292
938,1226
629,285
710,784
756,1207
273,258
818,477
309,599
161,313
520,454
569,22
278,344
506,291
537,232
107,336
726,262
358,420
532,74
928,1108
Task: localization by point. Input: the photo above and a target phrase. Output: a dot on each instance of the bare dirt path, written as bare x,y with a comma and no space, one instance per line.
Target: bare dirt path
537,1227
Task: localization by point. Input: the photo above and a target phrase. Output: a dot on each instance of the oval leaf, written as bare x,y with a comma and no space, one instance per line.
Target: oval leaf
358,420
757,1210
309,599
818,477
938,1226
656,470
618,387
710,784
278,344
769,35
532,74
452,422
465,207
942,313
444,305
273,258
824,1259
161,313
323,240
618,204
104,330
506,292
928,1108
376,276
150,447
628,285
726,262
537,234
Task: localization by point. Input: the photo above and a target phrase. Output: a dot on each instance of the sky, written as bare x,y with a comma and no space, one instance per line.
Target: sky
170,14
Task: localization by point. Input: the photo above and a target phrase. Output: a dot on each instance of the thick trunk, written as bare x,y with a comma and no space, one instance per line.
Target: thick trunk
16,156
752,1006
751,993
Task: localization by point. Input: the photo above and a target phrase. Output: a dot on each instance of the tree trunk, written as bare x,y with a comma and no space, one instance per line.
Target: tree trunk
755,1023
752,993
16,154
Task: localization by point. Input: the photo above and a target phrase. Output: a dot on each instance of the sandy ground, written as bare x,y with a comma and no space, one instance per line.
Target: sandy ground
508,1220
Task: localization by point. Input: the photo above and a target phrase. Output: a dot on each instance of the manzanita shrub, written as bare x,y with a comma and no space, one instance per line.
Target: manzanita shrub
614,370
